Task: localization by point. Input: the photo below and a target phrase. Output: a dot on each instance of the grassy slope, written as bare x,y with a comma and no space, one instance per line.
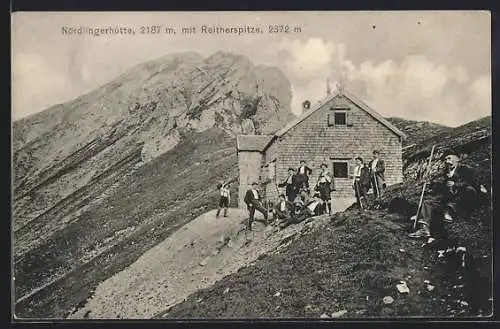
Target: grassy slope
163,195
418,131
355,261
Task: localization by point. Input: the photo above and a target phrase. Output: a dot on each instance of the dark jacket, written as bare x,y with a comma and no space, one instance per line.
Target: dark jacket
284,183
289,206
308,171
364,177
463,177
379,170
250,199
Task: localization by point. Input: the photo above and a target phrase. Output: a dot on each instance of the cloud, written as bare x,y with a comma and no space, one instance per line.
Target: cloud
414,87
28,71
480,92
308,59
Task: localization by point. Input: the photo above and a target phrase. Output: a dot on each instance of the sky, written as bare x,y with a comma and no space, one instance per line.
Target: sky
431,66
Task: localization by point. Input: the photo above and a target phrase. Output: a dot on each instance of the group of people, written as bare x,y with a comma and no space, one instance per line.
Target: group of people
457,193
296,203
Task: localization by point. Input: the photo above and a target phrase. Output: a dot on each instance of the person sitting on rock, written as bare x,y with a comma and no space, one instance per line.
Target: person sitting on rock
455,194
283,209
303,195
253,201
225,199
315,207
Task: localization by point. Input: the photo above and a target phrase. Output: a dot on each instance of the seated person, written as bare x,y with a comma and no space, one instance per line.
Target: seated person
456,194
315,207
283,209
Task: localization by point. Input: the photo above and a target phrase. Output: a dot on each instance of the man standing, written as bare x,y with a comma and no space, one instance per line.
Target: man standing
302,179
290,185
225,199
455,194
361,181
323,186
377,176
253,201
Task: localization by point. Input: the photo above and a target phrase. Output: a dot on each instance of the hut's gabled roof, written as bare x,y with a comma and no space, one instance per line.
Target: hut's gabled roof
255,143
353,99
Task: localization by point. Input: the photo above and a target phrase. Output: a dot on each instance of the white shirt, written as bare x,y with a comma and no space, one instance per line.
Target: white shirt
255,194
302,170
357,171
289,179
224,192
452,172
324,178
374,164
313,205
283,206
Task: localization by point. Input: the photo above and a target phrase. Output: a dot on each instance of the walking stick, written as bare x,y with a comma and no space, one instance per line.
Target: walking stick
426,173
356,186
376,184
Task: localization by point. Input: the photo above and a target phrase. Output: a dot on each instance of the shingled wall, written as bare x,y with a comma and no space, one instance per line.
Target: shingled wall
316,142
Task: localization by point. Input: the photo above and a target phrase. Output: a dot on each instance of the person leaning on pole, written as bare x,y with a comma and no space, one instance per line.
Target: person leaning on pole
360,181
377,176
456,194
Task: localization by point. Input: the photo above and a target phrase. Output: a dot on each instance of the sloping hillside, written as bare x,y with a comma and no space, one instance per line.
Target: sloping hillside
418,131
101,179
347,266
148,206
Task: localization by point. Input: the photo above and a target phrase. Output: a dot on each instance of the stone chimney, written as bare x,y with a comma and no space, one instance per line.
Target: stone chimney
306,105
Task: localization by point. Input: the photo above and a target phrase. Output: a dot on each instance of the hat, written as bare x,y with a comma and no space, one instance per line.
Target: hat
291,169
450,152
359,158
255,183
281,195
298,202
323,165
376,152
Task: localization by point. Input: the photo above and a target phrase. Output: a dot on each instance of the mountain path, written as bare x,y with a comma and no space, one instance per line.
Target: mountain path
196,256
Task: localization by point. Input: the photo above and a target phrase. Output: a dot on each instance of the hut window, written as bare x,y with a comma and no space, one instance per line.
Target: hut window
339,118
340,169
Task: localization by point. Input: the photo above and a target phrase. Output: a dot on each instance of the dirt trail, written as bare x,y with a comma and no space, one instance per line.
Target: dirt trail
195,257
